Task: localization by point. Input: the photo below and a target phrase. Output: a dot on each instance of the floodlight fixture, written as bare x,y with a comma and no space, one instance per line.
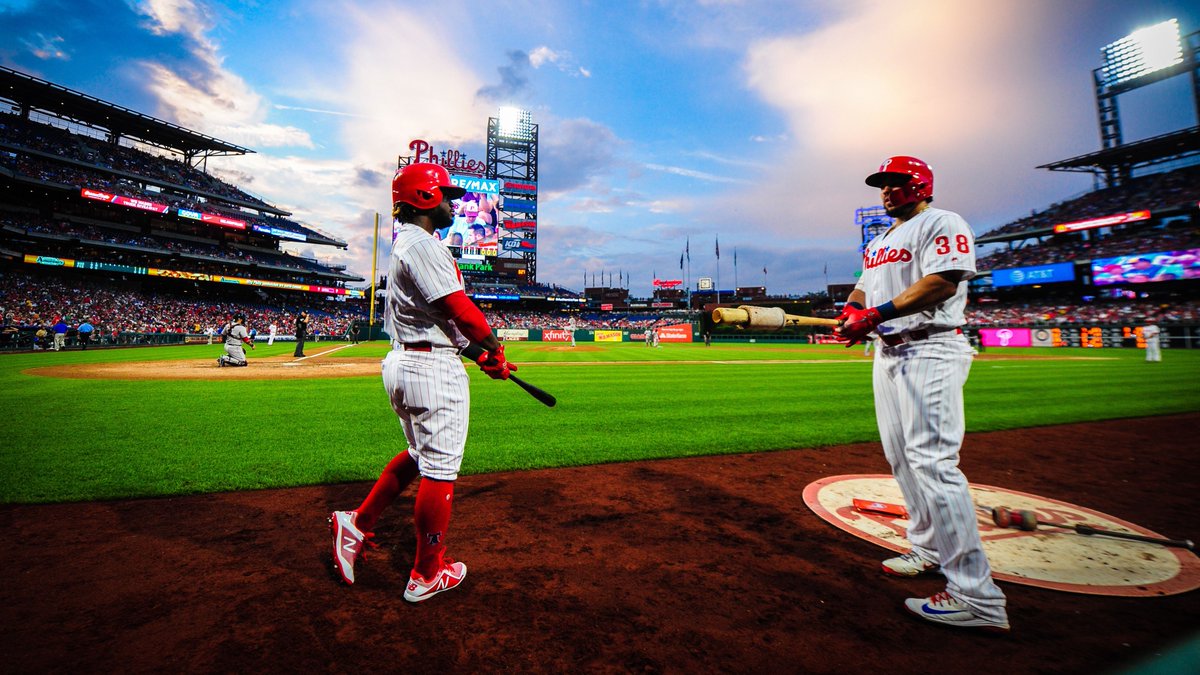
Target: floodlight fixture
1142,52
513,122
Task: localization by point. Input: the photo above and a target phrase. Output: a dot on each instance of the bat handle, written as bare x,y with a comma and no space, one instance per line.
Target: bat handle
1179,543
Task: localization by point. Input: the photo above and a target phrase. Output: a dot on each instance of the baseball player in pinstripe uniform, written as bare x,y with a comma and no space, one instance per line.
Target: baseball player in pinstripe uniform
430,319
912,294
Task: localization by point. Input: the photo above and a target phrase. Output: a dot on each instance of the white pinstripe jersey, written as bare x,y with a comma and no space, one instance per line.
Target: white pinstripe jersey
421,270
933,241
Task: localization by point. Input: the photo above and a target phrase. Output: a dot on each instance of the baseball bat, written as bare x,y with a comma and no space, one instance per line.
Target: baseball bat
474,351
1027,520
736,316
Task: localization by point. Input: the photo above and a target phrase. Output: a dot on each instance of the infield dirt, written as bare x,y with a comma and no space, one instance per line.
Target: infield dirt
686,565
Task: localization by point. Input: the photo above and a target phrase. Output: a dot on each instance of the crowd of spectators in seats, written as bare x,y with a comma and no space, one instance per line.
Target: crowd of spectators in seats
1154,192
47,170
32,224
615,320
526,290
28,301
23,133
1065,249
1100,312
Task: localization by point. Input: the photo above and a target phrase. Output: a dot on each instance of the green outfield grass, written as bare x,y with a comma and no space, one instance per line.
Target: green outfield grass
67,440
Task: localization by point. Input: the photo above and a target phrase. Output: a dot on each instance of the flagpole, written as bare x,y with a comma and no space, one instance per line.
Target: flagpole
718,250
374,260
687,250
735,285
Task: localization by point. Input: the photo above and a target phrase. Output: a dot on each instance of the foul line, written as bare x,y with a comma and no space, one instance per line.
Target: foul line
328,351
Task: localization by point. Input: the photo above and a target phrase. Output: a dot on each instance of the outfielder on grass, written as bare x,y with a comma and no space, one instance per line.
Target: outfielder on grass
430,320
912,294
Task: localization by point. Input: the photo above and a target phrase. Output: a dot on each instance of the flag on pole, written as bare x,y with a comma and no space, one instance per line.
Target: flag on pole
764,270
718,239
735,256
687,248
680,261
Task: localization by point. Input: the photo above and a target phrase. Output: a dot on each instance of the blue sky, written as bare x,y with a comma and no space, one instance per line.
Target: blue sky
660,120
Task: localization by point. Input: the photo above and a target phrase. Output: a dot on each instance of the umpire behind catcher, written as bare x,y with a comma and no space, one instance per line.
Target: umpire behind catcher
235,337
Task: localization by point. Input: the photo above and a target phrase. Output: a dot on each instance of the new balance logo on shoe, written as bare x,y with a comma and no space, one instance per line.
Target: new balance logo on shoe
347,543
450,576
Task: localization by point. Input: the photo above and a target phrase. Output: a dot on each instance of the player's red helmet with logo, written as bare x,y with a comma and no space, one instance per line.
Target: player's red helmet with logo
423,185
918,173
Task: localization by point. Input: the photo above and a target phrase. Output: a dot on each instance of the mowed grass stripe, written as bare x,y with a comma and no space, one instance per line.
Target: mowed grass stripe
100,439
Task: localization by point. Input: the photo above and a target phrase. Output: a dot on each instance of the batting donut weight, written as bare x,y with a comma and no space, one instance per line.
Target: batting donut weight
1027,520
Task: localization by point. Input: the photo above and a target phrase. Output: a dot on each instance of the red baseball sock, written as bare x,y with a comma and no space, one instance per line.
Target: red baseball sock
431,516
395,477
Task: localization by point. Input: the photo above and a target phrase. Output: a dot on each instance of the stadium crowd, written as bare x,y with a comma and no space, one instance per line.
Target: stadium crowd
1124,242
1111,312
21,133
94,167
29,302
31,224
1153,192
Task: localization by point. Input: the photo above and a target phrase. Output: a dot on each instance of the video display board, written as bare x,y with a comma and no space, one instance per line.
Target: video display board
1142,268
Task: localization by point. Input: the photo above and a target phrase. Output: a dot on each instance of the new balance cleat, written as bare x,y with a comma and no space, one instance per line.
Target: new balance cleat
944,609
909,565
348,543
419,589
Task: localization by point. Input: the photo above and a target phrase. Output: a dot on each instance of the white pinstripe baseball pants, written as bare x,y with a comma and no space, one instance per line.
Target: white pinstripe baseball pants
919,408
430,393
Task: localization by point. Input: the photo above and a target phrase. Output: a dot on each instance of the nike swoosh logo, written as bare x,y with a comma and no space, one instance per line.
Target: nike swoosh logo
929,610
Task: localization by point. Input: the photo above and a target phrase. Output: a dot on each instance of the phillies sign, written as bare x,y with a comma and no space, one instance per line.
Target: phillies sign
667,283
452,160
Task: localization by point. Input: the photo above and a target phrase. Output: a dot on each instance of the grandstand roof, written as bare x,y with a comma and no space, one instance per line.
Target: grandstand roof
1147,152
27,90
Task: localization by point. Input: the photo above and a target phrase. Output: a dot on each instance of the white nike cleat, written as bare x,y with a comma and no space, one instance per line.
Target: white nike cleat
944,609
909,565
419,590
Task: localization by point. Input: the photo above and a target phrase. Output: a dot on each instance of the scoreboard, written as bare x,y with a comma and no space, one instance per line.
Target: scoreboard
1081,335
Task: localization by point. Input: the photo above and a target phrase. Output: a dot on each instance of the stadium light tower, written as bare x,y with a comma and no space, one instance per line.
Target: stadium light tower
512,158
1142,52
1143,57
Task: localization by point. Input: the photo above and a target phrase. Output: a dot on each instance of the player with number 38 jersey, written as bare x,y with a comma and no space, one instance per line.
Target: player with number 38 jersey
933,241
912,295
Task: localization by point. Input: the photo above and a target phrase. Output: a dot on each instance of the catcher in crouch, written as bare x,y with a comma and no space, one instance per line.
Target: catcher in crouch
236,337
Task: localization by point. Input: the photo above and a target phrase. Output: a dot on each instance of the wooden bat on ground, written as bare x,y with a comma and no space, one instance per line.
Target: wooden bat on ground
764,318
474,351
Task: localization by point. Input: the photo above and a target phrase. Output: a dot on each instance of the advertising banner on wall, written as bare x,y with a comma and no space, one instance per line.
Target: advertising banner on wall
1005,337
1038,274
555,335
681,332
609,336
512,334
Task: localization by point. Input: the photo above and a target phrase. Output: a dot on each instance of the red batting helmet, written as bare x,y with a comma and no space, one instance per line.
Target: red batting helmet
918,173
423,185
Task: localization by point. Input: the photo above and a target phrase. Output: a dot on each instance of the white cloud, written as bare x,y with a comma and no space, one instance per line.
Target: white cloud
541,55
692,173
956,83
47,47
170,17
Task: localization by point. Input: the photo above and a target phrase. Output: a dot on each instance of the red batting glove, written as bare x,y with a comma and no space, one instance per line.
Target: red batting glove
495,365
857,323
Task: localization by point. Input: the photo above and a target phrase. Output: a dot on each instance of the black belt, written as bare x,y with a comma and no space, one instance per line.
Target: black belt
914,335
422,346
